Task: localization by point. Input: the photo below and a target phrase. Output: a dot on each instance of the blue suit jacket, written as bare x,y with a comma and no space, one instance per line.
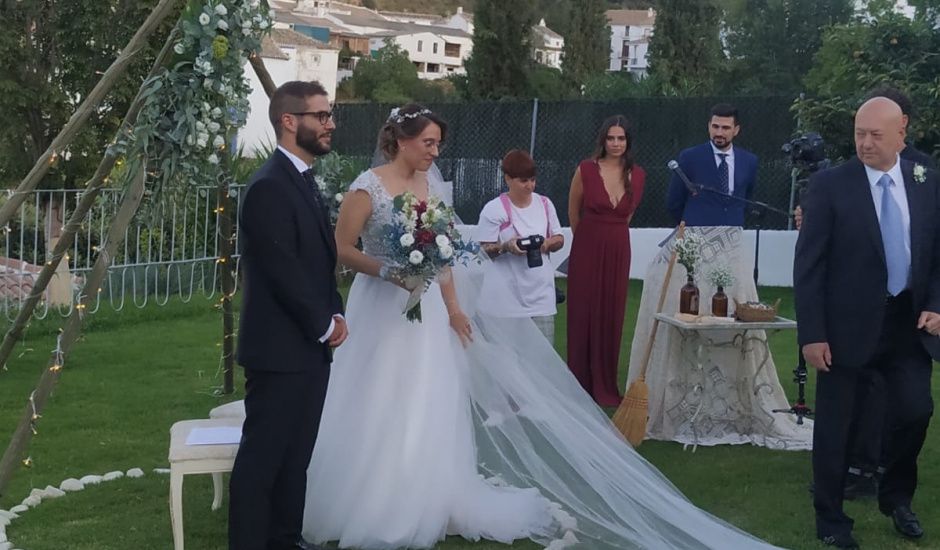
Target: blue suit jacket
706,208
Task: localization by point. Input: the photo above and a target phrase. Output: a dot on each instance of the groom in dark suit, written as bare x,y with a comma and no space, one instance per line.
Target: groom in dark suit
724,170
867,286
291,318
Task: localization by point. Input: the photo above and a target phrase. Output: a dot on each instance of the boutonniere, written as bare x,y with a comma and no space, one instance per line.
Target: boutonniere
920,173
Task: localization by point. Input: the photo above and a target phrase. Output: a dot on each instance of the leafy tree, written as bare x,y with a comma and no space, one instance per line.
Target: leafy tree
618,85
51,56
927,10
587,42
548,84
685,51
502,47
885,48
387,77
757,28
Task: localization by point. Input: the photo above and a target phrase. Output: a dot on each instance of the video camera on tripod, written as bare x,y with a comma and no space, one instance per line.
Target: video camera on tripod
807,154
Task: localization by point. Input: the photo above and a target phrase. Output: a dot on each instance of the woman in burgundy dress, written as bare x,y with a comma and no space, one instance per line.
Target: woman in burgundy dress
605,192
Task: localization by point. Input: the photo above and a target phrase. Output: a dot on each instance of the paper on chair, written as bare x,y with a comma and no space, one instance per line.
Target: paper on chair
222,435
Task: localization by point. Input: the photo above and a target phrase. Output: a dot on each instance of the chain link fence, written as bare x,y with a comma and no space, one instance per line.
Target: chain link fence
564,133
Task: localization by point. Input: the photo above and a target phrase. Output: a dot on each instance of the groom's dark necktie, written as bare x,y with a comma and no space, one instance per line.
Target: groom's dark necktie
723,174
310,177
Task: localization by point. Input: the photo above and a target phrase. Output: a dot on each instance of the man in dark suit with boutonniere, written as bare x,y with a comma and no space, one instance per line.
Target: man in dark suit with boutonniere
291,319
867,287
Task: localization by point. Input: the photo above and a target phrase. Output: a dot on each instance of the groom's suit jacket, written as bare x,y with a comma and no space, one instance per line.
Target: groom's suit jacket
840,275
288,272
707,208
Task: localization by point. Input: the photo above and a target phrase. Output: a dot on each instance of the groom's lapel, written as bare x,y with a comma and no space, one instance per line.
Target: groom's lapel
307,192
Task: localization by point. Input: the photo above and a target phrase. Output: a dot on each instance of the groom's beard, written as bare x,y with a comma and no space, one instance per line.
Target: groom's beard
312,141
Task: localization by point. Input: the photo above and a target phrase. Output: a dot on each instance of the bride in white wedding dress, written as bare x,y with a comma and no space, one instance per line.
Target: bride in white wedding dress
465,424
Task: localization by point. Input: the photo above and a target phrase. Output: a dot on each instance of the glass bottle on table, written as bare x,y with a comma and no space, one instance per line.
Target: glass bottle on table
689,297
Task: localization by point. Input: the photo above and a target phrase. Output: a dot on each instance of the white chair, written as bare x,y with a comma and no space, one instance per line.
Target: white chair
196,459
235,409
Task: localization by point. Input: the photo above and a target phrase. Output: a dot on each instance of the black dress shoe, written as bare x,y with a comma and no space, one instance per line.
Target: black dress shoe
860,486
844,540
905,521
304,545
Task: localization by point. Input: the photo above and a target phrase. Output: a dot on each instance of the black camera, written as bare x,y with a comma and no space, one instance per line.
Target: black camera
533,249
807,151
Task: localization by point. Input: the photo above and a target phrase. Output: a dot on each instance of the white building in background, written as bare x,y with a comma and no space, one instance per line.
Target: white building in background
461,20
630,33
547,45
287,56
409,17
436,52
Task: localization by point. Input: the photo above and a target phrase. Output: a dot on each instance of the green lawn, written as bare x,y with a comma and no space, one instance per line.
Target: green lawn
137,372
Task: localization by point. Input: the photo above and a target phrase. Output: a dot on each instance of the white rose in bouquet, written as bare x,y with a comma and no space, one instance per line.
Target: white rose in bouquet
416,257
204,19
338,198
407,240
442,241
446,251
221,9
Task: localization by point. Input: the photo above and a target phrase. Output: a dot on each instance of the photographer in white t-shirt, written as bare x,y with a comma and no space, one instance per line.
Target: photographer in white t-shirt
518,230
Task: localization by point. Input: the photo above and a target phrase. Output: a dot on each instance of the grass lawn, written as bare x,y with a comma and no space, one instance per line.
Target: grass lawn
138,371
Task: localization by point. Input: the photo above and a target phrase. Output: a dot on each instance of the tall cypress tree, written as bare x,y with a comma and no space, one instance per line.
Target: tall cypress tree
502,48
587,42
685,54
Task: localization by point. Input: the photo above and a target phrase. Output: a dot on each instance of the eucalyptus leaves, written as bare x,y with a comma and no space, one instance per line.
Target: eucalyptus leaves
193,108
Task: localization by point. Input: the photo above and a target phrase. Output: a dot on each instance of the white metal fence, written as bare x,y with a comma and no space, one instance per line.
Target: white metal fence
167,251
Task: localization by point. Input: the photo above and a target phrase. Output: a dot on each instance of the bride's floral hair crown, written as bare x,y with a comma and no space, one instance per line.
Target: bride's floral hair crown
396,116
406,123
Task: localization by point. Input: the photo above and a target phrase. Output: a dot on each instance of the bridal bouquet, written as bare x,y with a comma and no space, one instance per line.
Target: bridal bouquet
423,240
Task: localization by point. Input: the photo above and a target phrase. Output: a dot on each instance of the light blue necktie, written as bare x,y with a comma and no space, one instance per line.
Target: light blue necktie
892,236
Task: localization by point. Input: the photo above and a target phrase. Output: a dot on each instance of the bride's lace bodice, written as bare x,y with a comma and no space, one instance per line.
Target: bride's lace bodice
373,234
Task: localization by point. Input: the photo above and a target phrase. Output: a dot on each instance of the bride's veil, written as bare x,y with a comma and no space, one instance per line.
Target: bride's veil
534,426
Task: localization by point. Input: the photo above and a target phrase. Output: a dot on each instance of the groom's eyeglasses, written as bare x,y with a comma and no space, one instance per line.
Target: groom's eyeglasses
322,116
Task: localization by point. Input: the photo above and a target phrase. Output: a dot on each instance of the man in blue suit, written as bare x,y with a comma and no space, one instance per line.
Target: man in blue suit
723,170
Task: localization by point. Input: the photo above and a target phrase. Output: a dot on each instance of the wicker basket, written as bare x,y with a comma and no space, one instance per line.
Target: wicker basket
748,313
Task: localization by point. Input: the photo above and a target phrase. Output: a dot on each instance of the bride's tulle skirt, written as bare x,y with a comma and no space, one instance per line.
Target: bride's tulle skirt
395,462
421,438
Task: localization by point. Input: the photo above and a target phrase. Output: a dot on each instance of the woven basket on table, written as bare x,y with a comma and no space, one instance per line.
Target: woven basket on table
750,314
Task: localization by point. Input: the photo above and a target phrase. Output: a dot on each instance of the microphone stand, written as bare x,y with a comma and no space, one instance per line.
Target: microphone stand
757,209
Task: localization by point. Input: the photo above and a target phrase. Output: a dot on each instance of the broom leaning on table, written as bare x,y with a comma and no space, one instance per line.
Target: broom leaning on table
633,413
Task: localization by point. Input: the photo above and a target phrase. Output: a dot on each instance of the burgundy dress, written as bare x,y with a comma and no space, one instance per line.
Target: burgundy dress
598,274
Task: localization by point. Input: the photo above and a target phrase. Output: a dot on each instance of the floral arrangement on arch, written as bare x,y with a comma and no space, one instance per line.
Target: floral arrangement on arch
422,241
689,251
194,106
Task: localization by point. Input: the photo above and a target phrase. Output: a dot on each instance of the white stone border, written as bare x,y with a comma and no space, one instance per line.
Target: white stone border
37,496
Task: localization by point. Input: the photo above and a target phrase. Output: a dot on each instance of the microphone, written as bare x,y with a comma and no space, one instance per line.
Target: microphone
674,166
